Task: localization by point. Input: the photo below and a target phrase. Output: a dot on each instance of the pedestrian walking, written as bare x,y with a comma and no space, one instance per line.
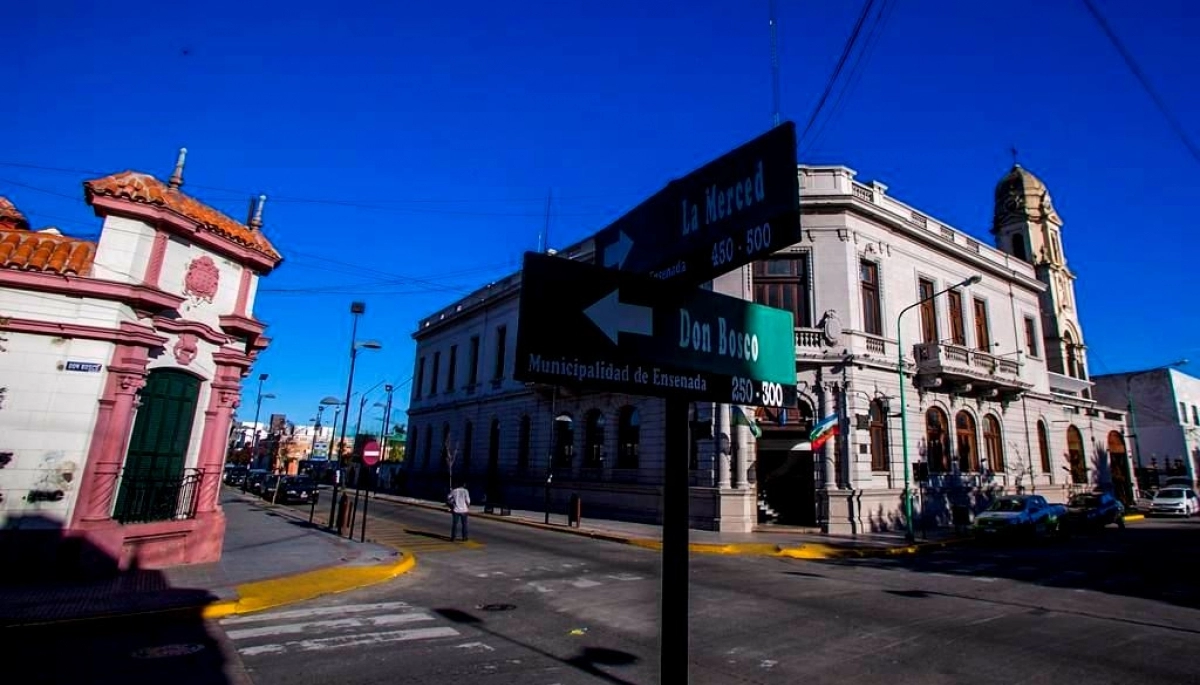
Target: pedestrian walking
459,501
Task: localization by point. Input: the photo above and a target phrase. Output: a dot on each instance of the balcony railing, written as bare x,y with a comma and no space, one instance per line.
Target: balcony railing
144,497
957,358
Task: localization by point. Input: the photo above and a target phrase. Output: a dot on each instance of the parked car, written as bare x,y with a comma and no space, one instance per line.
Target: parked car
254,480
1177,482
235,475
288,489
1019,515
1087,511
1174,502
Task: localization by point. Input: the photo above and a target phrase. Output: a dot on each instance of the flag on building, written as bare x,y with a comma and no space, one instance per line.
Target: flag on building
741,418
826,428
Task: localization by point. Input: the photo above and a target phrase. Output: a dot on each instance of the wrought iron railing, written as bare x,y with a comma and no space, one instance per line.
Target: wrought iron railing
144,497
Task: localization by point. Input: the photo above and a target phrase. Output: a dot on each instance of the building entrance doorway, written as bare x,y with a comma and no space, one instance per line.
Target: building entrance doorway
786,487
153,480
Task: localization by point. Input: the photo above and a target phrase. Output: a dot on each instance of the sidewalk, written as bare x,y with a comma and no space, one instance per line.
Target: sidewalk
270,557
781,541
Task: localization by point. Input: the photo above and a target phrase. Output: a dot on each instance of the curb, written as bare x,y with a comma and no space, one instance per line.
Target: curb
276,592
1130,518
811,551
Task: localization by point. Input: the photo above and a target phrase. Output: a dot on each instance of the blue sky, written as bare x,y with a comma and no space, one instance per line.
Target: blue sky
434,132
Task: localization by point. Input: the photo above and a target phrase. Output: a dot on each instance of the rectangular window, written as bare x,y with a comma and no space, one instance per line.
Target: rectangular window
782,282
929,325
1195,415
452,368
1182,413
871,312
501,342
433,380
419,386
983,337
473,369
1031,346
958,332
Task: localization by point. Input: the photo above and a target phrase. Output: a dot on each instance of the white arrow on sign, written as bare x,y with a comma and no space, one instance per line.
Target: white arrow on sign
614,317
615,254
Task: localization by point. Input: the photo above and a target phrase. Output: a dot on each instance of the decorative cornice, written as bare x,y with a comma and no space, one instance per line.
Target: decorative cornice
235,324
128,333
199,329
138,296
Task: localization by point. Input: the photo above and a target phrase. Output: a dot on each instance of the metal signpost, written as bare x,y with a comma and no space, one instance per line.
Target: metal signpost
636,322
371,453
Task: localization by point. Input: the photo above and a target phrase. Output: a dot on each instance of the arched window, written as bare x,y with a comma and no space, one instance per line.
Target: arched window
494,446
1075,455
879,437
937,441
593,439
993,443
465,453
967,442
1073,368
523,440
1044,445
629,437
564,441
1018,247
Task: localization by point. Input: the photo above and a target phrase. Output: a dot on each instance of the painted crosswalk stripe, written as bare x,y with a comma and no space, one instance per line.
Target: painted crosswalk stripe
331,624
359,640
314,612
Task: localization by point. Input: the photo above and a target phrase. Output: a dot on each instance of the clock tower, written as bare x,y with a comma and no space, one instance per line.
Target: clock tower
1026,226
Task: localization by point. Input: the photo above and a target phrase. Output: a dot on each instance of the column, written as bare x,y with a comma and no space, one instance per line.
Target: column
825,453
223,399
110,437
722,445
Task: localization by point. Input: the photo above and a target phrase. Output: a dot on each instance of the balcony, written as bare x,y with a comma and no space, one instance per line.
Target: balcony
145,497
964,371
1069,386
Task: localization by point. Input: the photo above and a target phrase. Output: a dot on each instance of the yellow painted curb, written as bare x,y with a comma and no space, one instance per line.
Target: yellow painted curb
276,592
1129,518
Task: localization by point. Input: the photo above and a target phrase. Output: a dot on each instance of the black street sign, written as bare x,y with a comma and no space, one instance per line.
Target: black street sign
740,207
587,326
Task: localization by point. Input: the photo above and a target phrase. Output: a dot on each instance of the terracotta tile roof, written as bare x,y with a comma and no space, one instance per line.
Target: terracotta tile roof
145,189
45,250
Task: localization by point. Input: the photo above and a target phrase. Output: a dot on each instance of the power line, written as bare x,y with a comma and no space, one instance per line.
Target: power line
837,70
861,58
1143,80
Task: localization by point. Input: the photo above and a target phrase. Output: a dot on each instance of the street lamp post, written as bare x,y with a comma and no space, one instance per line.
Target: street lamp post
908,513
257,411
1129,399
356,309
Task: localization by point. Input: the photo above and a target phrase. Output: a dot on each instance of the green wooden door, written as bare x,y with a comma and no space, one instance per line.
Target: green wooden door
153,475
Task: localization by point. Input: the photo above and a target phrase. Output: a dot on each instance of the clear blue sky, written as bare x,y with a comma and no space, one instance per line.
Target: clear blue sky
442,126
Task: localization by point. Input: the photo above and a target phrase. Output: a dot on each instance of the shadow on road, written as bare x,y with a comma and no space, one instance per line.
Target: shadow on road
1156,561
141,629
588,660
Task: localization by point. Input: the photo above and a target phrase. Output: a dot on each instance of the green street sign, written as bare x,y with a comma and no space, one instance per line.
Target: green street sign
587,326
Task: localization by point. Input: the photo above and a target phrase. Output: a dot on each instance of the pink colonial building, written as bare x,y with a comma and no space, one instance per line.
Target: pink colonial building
121,362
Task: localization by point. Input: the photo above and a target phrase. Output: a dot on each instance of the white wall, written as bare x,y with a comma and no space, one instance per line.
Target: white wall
46,421
123,250
174,272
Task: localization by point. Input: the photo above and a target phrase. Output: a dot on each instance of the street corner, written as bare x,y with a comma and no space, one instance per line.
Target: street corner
820,551
276,592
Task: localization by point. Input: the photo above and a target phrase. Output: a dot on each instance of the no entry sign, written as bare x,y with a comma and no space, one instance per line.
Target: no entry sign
371,453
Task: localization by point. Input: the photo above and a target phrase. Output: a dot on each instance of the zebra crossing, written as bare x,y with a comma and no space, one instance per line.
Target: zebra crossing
395,534
325,628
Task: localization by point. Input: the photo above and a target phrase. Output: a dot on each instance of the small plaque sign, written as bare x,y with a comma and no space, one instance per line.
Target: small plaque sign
84,367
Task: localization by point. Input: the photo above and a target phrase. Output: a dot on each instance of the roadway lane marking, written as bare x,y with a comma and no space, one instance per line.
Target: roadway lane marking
314,612
361,640
332,624
476,646
582,583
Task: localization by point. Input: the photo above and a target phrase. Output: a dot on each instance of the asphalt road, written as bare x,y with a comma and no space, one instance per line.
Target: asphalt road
530,606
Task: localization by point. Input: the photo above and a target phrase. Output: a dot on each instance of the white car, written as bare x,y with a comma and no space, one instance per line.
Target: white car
1175,502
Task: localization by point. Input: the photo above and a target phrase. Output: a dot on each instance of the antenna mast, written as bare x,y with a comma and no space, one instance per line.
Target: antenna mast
774,64
544,238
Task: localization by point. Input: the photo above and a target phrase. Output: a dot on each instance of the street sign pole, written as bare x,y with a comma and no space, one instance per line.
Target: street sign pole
673,635
371,453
